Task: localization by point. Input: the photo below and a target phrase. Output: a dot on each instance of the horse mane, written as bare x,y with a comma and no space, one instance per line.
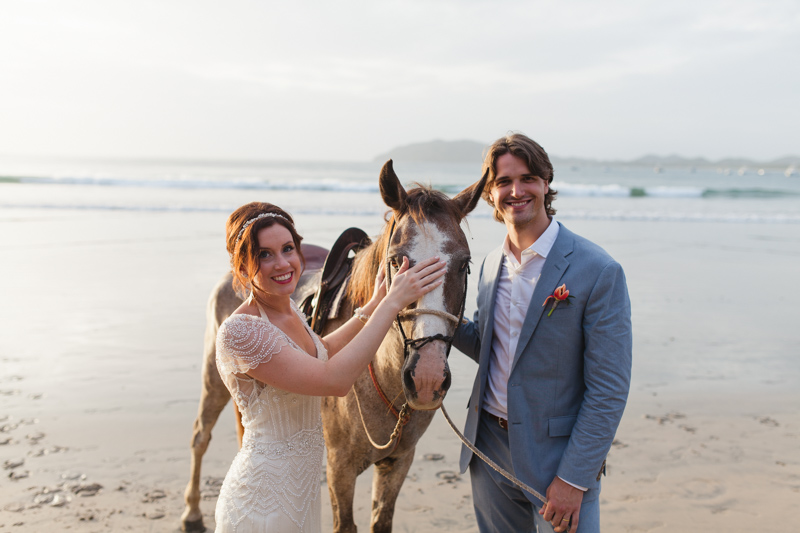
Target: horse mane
421,201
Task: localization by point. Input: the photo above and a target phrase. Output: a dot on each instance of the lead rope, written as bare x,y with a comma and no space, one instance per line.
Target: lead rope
402,420
489,462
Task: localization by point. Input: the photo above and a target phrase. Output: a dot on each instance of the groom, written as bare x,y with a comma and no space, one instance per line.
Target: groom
552,338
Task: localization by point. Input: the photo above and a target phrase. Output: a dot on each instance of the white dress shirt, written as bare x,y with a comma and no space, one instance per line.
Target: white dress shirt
514,291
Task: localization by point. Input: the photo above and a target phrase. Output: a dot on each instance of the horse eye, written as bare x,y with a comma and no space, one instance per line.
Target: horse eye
393,263
464,266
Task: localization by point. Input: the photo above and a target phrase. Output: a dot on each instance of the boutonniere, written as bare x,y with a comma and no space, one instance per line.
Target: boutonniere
561,294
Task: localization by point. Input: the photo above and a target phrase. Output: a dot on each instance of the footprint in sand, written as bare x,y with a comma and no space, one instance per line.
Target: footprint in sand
72,480
15,507
16,474
701,489
767,421
448,476
419,509
444,523
34,438
155,514
53,498
153,495
13,463
433,457
212,487
722,507
669,417
87,490
645,526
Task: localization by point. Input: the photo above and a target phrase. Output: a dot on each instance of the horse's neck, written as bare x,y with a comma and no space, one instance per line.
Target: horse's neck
388,364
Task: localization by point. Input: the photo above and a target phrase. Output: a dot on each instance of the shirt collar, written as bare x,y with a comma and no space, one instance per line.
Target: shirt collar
540,247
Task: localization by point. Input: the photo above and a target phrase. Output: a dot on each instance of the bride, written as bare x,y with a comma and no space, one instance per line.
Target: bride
277,369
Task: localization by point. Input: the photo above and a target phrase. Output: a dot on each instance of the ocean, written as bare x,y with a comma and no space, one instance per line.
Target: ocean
338,188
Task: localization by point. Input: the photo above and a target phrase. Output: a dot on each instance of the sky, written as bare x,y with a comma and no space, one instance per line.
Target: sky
348,80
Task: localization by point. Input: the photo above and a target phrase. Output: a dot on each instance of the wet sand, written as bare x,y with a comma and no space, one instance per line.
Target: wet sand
101,326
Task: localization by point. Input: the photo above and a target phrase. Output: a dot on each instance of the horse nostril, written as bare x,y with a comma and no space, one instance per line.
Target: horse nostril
408,381
446,383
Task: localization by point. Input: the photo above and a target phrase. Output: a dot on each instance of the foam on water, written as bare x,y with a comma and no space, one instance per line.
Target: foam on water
619,215
612,190
238,183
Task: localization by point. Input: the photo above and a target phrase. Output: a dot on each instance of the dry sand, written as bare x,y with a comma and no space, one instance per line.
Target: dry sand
102,320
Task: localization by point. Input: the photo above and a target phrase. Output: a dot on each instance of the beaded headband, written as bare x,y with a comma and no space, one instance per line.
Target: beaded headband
254,219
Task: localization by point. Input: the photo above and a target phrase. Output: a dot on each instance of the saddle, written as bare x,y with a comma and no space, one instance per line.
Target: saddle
321,298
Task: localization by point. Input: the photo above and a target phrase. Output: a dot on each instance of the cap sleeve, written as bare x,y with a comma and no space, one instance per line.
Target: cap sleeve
244,342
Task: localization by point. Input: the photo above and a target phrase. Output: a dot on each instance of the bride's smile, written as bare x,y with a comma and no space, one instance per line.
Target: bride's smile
279,262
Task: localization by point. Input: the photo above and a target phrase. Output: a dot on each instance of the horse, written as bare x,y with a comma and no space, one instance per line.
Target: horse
409,368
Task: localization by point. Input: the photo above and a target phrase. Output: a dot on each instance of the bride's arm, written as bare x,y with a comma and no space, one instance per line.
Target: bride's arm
292,370
338,339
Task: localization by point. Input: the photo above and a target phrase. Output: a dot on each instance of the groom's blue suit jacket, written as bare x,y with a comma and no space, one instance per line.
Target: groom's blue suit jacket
571,373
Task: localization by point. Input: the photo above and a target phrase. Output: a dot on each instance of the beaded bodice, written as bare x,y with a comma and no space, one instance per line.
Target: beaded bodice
277,472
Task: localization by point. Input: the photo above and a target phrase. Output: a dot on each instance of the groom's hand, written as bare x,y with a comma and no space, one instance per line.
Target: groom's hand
563,506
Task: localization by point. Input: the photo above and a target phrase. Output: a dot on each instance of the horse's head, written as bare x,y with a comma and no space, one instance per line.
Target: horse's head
424,223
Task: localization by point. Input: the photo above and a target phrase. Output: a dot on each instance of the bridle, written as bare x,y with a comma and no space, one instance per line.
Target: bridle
404,415
422,341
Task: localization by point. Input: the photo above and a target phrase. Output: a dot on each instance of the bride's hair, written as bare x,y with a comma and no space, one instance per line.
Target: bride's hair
241,232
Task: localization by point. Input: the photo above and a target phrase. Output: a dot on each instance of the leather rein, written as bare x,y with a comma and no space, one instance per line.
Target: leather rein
404,415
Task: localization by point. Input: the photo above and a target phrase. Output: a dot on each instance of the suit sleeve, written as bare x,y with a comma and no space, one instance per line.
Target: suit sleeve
467,338
607,362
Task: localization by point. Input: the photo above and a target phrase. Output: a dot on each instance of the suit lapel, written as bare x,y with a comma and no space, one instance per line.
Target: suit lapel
491,269
554,268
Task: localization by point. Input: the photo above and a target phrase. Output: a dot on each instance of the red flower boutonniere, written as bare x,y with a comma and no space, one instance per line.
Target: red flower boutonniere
559,295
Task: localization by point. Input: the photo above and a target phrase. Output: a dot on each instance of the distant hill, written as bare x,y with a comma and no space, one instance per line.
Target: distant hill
466,151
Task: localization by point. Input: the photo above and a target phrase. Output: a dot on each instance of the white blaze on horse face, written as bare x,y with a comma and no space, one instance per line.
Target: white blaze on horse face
429,368
428,242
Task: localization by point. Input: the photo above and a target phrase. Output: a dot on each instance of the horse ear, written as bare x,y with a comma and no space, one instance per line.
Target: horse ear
467,199
392,191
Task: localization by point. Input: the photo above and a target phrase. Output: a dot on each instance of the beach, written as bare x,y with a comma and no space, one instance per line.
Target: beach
102,315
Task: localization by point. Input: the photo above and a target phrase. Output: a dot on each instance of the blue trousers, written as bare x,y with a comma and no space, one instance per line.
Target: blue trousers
502,507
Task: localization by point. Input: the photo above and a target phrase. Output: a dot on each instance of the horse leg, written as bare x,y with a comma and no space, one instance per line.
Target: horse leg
213,398
389,475
341,474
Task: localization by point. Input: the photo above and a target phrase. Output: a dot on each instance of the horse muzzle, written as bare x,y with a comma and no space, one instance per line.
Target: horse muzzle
426,376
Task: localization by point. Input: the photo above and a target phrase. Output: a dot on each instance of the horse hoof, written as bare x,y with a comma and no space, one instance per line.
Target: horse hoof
193,526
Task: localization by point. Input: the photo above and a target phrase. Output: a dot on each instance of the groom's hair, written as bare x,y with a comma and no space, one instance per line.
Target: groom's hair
531,153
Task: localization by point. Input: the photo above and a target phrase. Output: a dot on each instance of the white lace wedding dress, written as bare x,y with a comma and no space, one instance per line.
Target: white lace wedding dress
274,482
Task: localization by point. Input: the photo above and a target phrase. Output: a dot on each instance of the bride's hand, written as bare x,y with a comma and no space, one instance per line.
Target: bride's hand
379,293
411,284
